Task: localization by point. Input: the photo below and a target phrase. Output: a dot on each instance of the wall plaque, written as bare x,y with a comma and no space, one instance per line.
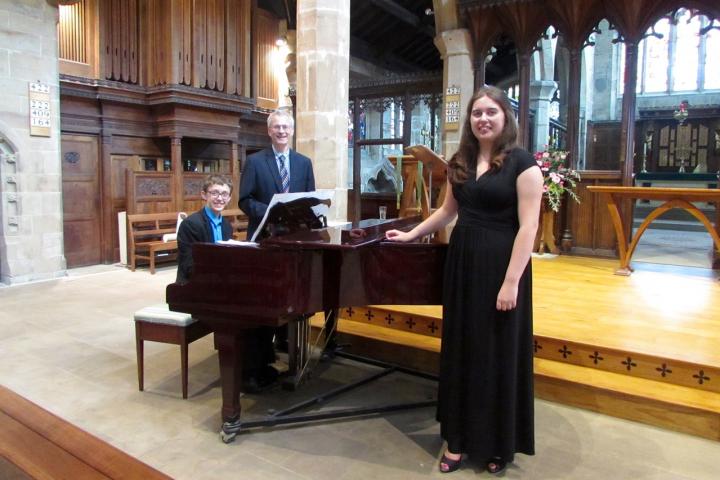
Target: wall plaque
452,108
39,97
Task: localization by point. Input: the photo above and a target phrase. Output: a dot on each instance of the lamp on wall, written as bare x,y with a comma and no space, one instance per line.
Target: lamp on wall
682,113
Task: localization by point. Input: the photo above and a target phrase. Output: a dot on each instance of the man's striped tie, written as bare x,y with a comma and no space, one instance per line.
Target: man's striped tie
284,177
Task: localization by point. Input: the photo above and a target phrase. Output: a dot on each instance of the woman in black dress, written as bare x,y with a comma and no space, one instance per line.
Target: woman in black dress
485,398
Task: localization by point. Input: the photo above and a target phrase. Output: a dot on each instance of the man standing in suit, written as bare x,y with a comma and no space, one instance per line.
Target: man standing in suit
273,170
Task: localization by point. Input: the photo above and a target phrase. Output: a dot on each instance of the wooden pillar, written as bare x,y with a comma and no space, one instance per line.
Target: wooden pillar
627,129
524,105
177,169
234,172
106,207
573,122
357,163
479,70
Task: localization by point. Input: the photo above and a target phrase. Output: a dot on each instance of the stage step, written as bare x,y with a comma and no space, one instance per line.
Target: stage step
683,409
632,395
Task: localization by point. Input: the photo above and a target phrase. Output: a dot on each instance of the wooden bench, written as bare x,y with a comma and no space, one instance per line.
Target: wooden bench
145,237
239,222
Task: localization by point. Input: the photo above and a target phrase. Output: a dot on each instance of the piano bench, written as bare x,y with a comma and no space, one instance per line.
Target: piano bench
158,323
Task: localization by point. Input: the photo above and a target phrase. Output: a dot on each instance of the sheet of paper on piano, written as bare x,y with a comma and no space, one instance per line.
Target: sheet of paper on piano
236,242
320,209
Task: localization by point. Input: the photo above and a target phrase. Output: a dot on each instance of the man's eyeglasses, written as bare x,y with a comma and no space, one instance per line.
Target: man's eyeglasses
216,194
279,128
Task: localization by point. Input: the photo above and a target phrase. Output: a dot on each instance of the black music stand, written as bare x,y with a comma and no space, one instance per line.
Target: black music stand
284,218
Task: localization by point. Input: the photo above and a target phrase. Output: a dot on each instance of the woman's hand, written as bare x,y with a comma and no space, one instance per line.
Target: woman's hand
399,236
507,296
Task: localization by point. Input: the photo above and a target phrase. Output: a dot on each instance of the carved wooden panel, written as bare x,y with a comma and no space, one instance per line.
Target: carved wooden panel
590,221
149,192
603,146
192,185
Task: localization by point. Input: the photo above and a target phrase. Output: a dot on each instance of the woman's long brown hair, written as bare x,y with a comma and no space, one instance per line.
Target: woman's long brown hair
464,162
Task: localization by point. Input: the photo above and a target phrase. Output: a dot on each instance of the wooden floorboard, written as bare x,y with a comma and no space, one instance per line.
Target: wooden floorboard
44,446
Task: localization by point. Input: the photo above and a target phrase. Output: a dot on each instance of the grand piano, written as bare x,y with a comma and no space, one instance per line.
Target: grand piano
238,287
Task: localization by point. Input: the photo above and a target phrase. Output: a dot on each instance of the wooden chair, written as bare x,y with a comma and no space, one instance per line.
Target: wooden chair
158,323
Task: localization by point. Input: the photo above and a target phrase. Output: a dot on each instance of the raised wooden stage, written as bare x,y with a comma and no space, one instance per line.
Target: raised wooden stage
645,347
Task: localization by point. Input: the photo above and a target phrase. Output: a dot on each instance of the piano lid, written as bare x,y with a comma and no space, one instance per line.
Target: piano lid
349,235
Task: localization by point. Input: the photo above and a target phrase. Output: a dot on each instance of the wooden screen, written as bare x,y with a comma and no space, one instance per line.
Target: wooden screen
119,40
266,35
71,32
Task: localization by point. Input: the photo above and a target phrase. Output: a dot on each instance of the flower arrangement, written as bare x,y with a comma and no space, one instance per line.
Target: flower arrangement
557,178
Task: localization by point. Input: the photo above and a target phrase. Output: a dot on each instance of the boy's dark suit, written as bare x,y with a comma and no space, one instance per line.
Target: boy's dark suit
195,228
260,180
258,352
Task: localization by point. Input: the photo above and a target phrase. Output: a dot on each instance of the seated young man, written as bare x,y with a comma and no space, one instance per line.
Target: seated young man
207,225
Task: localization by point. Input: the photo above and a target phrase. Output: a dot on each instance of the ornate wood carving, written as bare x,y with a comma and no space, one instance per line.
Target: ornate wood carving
153,186
484,29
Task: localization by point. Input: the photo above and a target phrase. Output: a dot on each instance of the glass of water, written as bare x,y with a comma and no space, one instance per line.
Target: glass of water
382,212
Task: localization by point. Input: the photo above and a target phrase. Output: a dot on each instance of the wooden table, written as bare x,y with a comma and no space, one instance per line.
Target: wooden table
672,197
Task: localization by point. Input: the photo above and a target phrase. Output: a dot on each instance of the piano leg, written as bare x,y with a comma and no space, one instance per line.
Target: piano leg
230,349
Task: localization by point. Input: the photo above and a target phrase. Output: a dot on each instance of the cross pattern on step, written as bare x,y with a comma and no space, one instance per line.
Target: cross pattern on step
596,358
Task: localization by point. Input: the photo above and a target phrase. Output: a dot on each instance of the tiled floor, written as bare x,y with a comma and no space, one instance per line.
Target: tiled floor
68,345
672,247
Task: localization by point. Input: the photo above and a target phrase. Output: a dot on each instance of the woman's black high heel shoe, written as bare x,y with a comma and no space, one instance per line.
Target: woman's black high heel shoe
450,465
496,465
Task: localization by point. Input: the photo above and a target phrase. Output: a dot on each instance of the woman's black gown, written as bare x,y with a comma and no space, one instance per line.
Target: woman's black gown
485,399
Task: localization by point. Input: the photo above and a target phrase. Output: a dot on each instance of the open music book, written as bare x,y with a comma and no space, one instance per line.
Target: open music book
309,209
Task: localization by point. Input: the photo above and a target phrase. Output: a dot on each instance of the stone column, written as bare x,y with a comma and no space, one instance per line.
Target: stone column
323,71
541,92
31,207
456,50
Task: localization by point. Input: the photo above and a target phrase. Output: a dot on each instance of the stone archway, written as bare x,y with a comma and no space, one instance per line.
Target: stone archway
8,201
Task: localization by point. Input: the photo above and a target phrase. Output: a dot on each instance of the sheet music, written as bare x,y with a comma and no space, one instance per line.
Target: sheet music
320,209
236,242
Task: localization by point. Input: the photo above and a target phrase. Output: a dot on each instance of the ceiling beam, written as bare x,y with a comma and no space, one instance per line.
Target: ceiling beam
405,15
384,59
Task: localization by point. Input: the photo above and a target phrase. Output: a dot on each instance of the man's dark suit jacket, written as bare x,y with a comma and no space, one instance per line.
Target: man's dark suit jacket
195,228
260,180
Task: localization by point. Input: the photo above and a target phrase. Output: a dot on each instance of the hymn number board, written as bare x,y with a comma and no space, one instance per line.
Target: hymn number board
39,109
452,108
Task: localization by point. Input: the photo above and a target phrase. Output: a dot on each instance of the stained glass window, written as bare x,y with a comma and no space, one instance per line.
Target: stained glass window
655,59
685,67
712,66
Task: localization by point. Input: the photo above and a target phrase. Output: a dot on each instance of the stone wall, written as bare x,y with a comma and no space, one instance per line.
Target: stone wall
31,223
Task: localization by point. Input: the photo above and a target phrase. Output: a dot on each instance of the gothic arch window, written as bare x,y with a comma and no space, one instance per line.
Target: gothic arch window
676,55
